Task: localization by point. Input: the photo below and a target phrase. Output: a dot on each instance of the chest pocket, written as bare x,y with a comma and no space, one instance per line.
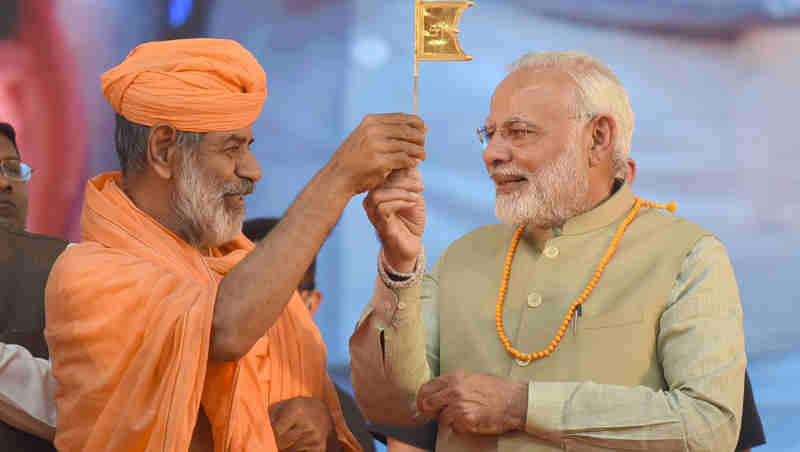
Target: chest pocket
597,314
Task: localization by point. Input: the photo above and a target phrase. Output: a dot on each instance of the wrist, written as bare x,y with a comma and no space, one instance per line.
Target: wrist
399,265
336,182
395,279
517,407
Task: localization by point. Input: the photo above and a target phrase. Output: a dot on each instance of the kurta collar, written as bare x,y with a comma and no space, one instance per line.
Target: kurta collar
609,211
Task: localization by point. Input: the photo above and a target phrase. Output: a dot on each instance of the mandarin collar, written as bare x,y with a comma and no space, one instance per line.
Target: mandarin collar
610,211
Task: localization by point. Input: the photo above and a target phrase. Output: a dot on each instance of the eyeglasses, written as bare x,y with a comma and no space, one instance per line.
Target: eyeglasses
516,132
15,170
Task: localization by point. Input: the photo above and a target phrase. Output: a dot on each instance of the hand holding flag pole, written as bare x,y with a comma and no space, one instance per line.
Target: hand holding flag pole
435,30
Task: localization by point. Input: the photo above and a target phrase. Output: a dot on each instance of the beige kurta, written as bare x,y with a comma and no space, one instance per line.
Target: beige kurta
656,361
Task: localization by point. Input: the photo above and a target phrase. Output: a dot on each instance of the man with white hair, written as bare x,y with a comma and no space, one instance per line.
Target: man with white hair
589,320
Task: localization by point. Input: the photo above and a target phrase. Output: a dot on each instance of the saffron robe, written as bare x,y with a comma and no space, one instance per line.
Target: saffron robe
129,314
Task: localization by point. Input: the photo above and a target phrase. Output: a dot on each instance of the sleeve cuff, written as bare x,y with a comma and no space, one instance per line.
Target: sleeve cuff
546,402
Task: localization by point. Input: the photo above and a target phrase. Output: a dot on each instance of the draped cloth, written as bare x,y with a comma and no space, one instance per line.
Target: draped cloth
197,85
129,315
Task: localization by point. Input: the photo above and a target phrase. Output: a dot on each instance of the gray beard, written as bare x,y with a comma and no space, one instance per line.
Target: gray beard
553,194
198,202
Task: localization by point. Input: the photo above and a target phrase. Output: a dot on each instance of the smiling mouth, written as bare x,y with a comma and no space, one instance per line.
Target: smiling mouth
508,184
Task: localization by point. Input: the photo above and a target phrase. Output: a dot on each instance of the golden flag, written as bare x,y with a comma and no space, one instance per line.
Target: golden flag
436,28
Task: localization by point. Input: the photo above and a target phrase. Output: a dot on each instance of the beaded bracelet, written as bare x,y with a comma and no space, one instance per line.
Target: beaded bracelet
399,280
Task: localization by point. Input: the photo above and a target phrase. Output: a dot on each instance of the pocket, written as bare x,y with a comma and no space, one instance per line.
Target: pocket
609,315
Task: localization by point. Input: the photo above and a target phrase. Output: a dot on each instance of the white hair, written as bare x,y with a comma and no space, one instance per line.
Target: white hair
599,91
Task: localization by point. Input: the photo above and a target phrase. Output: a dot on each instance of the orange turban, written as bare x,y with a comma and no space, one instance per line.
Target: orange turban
196,85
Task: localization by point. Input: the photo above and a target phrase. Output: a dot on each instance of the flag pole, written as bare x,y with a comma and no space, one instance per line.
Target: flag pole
416,61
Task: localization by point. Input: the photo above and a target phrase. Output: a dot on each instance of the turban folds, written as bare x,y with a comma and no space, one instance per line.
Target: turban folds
196,85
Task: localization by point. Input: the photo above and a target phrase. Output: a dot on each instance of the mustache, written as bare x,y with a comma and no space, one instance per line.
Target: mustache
243,188
509,169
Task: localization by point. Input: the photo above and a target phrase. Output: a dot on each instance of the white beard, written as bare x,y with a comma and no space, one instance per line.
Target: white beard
199,204
552,195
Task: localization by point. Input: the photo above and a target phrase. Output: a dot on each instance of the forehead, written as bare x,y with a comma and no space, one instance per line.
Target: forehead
221,138
539,96
7,149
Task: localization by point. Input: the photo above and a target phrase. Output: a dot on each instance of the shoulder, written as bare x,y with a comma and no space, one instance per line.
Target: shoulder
656,220
79,261
680,234
89,276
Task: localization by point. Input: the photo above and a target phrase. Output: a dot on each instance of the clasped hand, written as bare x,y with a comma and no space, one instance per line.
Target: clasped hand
381,144
474,403
302,424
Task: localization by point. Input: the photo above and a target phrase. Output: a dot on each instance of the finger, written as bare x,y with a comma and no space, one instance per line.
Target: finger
448,416
377,144
406,178
385,195
396,118
309,443
275,410
403,132
391,145
285,422
439,400
398,160
425,396
387,209
371,208
434,385
288,440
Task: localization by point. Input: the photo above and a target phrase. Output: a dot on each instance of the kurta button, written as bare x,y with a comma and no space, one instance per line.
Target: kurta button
551,252
522,362
401,305
534,300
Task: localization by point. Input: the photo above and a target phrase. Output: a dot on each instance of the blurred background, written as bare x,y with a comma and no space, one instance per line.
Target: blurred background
713,84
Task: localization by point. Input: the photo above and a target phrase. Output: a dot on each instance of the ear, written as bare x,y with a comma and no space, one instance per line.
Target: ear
603,136
631,176
162,149
314,301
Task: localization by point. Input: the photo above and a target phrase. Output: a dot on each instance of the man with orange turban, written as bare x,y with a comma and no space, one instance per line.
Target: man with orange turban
168,329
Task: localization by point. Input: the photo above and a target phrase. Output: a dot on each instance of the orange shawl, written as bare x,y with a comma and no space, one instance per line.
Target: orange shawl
129,315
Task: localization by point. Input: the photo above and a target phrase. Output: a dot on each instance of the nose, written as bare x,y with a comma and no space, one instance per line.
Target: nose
249,168
497,151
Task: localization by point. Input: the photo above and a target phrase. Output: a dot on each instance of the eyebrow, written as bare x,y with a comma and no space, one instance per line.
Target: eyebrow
240,139
515,119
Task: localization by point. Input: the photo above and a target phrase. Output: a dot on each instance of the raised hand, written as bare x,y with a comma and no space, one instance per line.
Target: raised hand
474,403
380,144
396,209
302,424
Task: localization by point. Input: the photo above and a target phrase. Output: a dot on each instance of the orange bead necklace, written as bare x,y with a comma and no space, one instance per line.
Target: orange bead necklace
575,304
